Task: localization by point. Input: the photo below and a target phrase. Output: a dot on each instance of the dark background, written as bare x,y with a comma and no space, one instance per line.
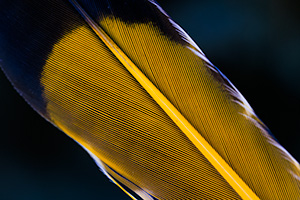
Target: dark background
255,43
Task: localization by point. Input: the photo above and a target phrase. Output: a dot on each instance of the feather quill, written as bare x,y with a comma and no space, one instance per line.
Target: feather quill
132,88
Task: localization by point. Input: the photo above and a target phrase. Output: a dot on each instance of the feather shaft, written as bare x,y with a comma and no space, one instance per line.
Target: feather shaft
204,147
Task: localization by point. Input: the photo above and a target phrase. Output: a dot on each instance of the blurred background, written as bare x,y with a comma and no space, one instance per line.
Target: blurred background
255,43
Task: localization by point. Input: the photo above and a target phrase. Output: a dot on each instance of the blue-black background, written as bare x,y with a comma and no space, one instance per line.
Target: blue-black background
255,43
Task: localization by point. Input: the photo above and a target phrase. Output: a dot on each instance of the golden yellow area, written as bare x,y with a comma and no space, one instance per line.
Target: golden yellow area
94,99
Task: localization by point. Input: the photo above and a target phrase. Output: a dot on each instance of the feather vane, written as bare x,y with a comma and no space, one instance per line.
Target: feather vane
132,88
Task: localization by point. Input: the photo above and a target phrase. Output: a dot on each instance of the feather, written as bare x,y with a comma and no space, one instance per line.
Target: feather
132,88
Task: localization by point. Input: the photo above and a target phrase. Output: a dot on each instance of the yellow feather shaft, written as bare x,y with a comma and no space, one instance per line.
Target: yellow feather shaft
204,147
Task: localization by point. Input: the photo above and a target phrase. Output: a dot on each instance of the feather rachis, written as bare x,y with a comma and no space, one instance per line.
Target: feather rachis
244,191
